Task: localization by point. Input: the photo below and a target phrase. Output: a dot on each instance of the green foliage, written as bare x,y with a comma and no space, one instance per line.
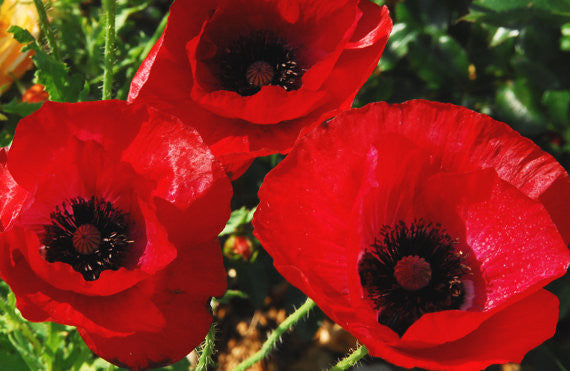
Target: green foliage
82,39
21,109
238,219
565,39
51,73
518,12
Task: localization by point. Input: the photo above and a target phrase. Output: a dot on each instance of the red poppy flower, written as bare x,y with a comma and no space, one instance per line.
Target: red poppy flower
254,75
110,214
426,230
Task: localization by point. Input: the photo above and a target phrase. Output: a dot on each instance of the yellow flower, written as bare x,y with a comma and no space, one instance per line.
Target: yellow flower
13,63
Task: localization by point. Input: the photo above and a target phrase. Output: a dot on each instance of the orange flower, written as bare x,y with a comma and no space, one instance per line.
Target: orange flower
13,63
36,93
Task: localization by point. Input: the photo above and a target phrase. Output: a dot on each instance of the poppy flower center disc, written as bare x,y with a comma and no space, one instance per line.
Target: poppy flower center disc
86,239
411,270
90,235
257,59
259,73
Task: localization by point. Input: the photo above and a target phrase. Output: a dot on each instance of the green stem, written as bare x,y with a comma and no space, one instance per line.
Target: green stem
351,360
154,38
207,351
30,359
109,7
19,324
46,28
276,335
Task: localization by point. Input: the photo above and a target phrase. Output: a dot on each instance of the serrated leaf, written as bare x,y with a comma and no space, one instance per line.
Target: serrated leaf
51,73
21,35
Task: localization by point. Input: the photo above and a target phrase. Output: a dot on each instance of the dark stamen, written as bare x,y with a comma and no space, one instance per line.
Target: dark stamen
255,60
410,271
90,235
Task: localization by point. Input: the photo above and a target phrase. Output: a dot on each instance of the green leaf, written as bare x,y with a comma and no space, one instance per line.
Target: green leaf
503,34
15,110
557,103
565,39
21,35
52,74
443,62
517,106
400,38
237,219
20,108
16,340
554,6
518,12
10,359
123,13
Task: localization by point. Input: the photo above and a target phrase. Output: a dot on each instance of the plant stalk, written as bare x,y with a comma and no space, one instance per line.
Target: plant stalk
276,335
110,8
207,350
346,363
47,29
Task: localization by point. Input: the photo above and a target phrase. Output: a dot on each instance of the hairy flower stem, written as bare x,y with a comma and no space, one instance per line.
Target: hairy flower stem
351,360
109,7
276,335
47,30
206,351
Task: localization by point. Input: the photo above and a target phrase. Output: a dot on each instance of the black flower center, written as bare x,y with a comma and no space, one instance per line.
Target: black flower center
255,60
412,270
90,235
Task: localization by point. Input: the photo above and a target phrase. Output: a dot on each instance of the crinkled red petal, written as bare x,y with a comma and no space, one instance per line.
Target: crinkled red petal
12,196
464,140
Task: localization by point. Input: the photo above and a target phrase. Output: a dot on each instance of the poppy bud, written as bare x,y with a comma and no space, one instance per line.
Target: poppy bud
239,247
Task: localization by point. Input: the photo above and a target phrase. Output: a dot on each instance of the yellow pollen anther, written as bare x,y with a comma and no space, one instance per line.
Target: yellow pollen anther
259,73
86,239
